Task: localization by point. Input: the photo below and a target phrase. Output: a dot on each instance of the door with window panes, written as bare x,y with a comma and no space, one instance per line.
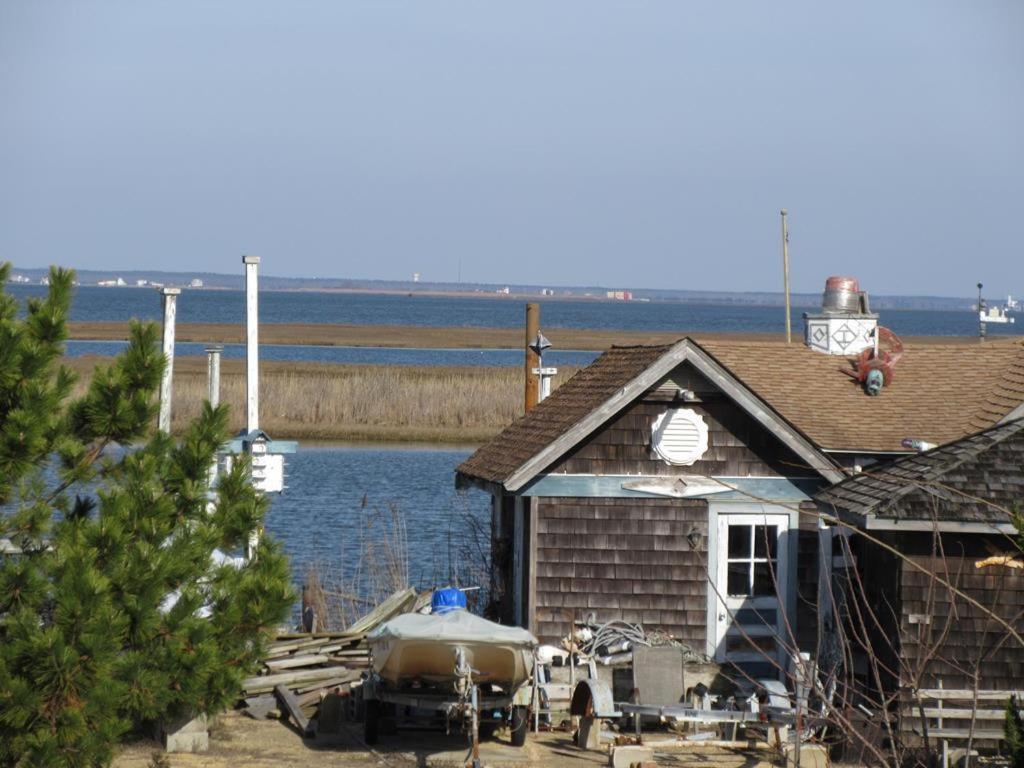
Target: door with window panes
750,587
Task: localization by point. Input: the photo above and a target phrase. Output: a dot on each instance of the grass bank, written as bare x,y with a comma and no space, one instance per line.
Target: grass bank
354,402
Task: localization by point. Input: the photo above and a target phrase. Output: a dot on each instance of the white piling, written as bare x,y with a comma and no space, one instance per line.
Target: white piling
170,298
252,344
213,373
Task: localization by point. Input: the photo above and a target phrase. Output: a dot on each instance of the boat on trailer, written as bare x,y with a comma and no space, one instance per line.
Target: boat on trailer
451,662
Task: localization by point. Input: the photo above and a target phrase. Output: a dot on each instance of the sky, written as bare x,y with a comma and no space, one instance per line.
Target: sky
625,144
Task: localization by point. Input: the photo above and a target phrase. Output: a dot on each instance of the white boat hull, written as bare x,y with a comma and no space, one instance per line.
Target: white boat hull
421,648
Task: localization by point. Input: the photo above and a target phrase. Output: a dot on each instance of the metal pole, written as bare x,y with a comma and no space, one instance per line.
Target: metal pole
981,315
213,395
213,373
532,358
170,299
252,344
785,273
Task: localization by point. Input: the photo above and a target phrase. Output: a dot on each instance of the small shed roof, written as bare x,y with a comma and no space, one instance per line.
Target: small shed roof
977,479
940,393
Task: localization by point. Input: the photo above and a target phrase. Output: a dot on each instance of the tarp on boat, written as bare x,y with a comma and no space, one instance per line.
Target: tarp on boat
452,627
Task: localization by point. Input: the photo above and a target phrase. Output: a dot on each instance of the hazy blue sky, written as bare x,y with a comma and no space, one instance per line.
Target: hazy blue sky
626,144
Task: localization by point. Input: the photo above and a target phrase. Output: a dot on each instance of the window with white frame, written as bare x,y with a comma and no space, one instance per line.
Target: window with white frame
753,564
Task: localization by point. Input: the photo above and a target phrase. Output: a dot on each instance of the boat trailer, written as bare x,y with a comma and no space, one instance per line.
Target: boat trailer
464,703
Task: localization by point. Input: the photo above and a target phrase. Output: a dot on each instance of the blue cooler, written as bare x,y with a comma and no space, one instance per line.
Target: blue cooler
448,600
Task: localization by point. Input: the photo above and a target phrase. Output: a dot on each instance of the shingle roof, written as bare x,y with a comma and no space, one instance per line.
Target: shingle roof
974,479
940,392
577,397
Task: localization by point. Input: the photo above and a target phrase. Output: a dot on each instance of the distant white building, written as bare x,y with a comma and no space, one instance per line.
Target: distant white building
415,277
110,283
142,283
503,291
196,283
18,279
44,281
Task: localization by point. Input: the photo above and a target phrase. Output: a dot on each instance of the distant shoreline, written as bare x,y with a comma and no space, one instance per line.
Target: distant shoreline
443,337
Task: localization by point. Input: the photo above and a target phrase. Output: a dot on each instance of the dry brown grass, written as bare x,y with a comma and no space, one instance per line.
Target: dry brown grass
355,402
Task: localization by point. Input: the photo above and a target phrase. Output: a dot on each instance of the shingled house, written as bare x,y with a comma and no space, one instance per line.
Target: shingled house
948,513
674,485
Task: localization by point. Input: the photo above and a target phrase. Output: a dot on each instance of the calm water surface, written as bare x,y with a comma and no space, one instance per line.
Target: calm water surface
355,355
338,496
210,306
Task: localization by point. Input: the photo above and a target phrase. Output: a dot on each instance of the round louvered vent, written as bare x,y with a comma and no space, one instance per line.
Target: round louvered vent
680,436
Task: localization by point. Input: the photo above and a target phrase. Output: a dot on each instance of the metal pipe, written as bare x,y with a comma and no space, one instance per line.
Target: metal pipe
785,274
213,373
252,344
170,300
532,358
981,314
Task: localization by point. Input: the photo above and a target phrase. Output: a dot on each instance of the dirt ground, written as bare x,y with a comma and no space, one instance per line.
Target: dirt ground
237,741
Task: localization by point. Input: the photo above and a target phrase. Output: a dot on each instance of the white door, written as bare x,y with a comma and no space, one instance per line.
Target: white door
750,587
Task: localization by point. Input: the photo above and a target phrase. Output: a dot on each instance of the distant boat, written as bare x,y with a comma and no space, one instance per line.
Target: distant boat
998,314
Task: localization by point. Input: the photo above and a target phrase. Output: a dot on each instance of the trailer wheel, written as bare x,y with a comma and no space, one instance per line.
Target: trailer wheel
371,721
519,725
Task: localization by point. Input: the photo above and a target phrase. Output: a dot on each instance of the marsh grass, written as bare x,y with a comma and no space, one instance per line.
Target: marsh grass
355,402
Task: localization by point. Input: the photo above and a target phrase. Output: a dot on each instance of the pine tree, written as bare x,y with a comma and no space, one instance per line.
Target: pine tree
1013,729
122,608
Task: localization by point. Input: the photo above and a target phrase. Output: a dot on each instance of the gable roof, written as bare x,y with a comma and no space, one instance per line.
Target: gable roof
974,480
940,392
598,392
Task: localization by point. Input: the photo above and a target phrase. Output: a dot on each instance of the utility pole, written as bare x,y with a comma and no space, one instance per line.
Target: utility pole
785,273
170,297
532,358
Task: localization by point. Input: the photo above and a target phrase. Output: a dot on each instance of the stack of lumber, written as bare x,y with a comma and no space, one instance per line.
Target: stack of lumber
299,670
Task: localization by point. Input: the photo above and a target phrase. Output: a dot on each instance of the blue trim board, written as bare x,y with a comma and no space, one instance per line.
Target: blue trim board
610,486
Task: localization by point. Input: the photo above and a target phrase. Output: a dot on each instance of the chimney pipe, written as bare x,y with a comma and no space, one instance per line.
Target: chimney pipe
252,344
532,358
170,298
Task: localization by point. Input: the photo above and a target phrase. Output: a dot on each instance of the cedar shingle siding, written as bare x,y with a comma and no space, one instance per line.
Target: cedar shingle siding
622,559
737,446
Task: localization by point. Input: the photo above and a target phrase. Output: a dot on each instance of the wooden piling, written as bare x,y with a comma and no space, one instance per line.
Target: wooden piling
532,358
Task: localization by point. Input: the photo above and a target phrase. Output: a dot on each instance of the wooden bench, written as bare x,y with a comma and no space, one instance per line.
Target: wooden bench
958,716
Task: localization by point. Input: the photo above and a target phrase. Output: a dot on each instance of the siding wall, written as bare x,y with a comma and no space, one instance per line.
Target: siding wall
737,445
971,634
897,591
622,559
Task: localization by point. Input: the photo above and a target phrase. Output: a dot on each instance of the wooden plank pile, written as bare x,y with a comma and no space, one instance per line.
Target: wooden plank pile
300,669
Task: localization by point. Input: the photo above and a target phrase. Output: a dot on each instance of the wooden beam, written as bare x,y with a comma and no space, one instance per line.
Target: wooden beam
531,590
769,489
291,706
